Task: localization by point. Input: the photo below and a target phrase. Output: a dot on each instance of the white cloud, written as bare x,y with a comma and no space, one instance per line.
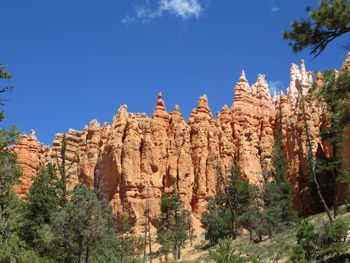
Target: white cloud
276,86
185,9
274,9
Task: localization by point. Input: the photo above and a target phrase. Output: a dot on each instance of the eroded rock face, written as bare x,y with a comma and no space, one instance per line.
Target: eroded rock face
27,151
137,158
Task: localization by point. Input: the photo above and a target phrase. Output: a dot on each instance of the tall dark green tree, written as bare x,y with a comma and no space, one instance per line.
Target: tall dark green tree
279,173
79,229
42,202
277,211
324,24
217,220
12,247
172,232
335,94
230,210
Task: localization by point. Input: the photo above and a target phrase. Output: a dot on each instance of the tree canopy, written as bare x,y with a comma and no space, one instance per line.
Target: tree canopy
324,24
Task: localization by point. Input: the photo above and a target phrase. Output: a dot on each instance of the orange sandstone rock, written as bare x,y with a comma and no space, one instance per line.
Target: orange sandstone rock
136,158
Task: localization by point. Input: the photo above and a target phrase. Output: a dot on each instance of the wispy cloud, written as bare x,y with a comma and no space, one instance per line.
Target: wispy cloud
274,6
276,86
274,9
184,9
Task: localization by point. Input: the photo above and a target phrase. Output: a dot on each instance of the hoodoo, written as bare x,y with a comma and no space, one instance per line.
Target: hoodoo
136,158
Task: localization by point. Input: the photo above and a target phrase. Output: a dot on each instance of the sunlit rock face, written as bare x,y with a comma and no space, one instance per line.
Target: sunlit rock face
136,158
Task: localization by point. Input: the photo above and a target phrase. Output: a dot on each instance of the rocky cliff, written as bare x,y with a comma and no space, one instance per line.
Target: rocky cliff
136,157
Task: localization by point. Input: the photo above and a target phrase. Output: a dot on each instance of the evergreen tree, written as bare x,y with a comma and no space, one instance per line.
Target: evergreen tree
335,94
79,228
307,238
276,212
172,232
225,252
312,163
12,247
128,246
238,194
9,170
217,220
231,209
332,239
279,174
324,24
326,242
43,201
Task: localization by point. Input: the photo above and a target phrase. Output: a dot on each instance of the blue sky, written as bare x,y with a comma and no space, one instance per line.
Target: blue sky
74,60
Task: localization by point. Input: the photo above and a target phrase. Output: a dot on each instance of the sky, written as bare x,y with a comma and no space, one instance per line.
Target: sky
73,61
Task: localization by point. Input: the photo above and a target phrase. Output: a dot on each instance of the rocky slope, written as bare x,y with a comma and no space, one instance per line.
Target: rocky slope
136,158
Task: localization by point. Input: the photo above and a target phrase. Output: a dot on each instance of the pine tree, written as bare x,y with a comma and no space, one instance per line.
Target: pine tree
325,243
335,94
42,202
225,253
307,238
277,206
324,24
12,247
238,197
79,228
9,172
332,239
217,220
311,161
231,209
279,174
172,232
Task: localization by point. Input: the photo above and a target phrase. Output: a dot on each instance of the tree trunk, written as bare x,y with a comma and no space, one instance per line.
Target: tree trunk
81,252
233,224
145,245
87,255
335,176
149,237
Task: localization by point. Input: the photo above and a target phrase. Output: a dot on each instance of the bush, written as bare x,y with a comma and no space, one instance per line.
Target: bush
224,252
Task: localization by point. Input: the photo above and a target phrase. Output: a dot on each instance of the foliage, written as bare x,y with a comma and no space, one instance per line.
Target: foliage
224,252
12,247
42,202
307,238
230,210
312,163
79,228
128,246
172,232
325,242
324,24
216,220
335,94
297,255
276,207
332,239
280,183
55,224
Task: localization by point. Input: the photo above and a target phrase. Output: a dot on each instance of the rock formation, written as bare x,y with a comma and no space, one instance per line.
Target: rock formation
137,158
27,151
